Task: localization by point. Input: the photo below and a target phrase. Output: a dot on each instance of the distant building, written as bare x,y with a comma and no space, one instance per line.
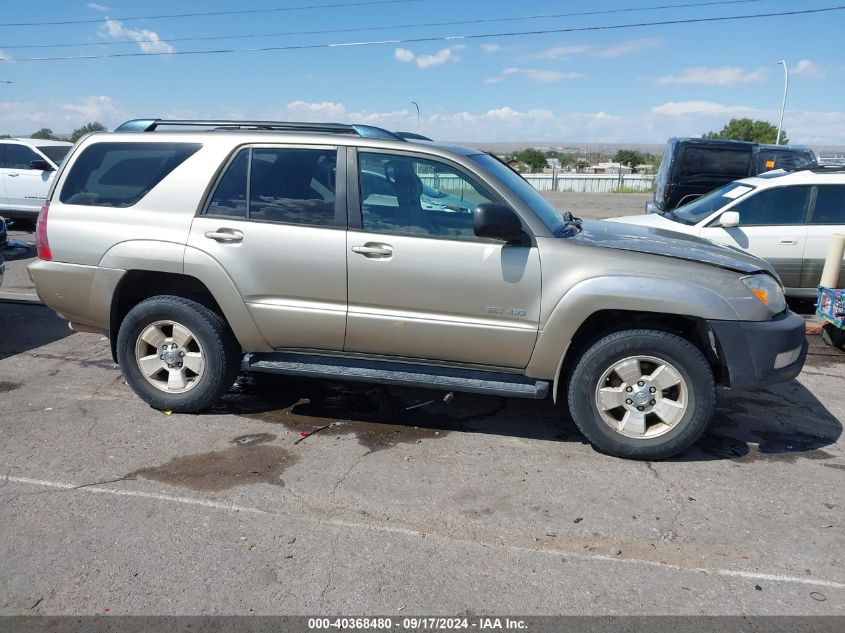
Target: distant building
608,168
553,163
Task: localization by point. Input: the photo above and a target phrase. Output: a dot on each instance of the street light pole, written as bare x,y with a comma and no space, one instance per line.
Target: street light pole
417,106
783,105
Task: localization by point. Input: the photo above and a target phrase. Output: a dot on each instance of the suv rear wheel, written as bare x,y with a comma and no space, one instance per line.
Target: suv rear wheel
643,394
177,354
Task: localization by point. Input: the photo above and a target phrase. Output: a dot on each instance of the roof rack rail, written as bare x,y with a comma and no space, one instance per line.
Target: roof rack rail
365,131
823,168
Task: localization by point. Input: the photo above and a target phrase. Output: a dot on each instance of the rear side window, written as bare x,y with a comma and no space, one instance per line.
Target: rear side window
707,162
289,185
55,153
780,205
120,174
830,205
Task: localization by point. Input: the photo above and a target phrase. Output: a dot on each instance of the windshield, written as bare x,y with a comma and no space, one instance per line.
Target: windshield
55,153
550,216
695,211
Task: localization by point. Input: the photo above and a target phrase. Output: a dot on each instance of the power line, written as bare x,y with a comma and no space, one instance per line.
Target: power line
387,28
440,38
214,13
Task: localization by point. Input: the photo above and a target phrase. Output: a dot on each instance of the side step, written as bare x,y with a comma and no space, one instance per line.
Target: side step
393,373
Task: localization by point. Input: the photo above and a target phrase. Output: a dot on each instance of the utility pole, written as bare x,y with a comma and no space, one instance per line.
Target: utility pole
783,105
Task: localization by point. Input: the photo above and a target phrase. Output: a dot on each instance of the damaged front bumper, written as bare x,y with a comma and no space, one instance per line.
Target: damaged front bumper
757,353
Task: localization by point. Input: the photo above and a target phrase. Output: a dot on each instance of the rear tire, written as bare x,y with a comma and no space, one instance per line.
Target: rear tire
177,354
642,394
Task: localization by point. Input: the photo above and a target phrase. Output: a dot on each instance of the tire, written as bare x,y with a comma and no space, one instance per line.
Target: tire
205,360
667,406
833,336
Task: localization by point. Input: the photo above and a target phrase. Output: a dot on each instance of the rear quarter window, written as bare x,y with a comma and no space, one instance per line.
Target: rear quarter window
120,174
707,162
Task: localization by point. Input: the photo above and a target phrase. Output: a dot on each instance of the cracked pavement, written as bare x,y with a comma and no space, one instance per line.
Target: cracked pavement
478,505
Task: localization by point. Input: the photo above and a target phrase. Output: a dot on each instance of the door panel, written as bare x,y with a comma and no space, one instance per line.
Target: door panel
828,219
292,277
469,302
421,284
772,225
26,188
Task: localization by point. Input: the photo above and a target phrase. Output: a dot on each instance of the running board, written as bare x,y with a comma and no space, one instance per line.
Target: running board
401,374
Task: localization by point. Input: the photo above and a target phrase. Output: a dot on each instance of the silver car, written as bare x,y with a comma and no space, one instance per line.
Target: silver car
204,248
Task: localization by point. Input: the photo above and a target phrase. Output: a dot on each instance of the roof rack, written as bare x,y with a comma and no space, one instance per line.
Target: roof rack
364,131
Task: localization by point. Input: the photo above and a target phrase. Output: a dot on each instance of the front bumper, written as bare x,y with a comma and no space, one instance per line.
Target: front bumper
757,353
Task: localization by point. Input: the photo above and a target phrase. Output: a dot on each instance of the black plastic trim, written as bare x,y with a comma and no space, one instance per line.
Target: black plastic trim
749,348
395,373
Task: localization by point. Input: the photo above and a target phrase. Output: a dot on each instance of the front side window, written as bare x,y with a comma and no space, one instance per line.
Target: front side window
776,206
19,157
400,194
288,185
120,174
700,208
830,205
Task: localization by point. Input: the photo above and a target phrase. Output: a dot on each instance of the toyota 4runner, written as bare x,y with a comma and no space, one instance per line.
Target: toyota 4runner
206,248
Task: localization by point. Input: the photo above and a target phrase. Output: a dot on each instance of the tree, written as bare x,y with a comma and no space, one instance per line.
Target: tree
44,133
534,158
94,126
748,130
629,157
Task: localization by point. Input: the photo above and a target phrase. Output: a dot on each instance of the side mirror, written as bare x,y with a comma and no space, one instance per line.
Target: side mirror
496,221
729,219
41,165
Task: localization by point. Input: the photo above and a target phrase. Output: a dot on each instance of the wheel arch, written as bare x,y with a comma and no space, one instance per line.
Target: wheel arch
137,285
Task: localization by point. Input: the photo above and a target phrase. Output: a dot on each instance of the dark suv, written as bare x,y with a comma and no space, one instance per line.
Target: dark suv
692,167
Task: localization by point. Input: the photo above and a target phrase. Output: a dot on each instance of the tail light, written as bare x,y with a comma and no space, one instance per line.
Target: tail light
41,241
667,189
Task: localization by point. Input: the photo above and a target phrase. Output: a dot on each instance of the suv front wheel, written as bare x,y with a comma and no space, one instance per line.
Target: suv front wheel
642,394
177,354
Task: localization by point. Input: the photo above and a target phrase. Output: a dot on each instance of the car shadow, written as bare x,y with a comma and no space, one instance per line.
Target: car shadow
26,326
784,422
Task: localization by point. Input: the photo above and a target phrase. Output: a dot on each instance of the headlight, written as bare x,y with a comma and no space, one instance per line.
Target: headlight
767,290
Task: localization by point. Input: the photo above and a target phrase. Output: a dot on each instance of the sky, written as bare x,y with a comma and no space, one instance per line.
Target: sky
471,76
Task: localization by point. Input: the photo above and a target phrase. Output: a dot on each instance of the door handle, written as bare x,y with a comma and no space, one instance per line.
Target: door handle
374,250
789,240
225,236
13,175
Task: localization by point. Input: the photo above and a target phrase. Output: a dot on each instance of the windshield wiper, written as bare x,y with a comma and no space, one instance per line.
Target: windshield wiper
571,225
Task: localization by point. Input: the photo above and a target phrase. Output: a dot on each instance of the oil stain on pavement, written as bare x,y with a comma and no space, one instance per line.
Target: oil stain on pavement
251,460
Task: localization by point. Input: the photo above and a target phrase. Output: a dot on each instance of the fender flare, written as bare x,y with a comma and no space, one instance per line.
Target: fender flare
618,292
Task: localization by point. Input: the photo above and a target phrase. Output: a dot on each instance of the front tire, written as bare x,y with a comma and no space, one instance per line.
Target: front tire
642,394
177,354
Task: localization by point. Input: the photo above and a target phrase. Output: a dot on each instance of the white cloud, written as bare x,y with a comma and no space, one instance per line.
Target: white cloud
539,75
491,48
94,108
622,49
686,108
148,41
95,6
725,76
404,55
806,68
558,53
427,61
630,47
